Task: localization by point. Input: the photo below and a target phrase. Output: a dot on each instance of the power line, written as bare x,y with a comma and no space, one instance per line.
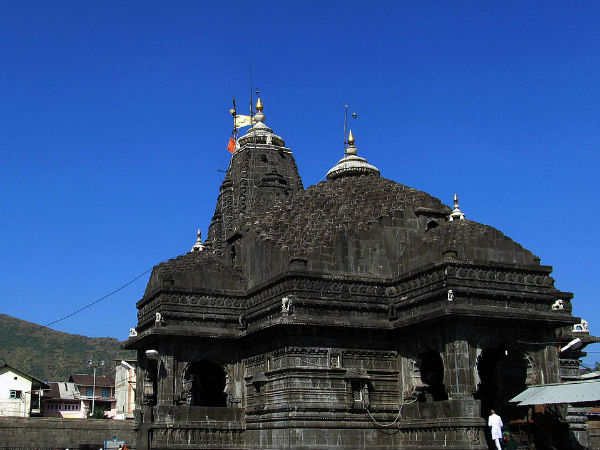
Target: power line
100,299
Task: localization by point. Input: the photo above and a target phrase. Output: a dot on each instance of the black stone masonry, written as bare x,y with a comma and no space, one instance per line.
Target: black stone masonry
358,313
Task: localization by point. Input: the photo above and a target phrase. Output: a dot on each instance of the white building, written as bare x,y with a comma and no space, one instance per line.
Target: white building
125,388
64,400
20,393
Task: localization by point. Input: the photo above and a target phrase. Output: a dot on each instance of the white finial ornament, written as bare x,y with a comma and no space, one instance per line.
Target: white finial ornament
351,164
198,246
456,214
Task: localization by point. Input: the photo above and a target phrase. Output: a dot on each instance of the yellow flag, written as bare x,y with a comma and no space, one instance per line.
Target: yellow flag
243,121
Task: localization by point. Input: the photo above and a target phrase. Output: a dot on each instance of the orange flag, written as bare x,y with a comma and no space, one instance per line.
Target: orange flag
231,145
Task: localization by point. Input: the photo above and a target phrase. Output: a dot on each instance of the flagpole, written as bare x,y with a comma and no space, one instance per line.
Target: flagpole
234,115
251,97
345,126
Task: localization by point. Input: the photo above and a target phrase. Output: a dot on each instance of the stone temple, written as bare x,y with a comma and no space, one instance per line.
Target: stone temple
356,313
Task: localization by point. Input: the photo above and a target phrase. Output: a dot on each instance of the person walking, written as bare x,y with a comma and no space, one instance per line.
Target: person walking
495,423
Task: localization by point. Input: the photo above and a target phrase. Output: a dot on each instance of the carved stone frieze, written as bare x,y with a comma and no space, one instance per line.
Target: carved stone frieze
192,437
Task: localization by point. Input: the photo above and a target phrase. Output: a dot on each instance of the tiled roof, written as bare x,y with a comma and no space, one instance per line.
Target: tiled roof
88,380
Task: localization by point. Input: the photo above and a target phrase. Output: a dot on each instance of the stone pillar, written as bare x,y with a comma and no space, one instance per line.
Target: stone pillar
457,370
165,394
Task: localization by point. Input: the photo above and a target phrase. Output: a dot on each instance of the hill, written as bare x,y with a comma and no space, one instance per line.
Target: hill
52,355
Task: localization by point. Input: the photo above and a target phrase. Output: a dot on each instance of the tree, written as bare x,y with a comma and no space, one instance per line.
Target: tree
99,413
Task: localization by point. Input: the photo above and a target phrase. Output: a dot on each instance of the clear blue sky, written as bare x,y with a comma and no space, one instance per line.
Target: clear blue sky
114,121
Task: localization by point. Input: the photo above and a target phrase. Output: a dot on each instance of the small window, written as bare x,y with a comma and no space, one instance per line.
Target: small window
105,392
16,394
89,392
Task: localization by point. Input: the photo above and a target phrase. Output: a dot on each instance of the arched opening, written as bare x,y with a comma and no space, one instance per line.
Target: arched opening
204,384
431,367
503,374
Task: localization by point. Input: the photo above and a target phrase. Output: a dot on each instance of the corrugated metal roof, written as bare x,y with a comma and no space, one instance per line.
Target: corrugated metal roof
571,392
62,390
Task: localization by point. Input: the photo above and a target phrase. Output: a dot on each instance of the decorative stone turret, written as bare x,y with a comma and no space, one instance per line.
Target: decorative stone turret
351,164
262,171
457,214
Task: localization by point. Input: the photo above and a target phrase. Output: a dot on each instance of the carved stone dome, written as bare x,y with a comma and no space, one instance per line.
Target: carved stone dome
467,240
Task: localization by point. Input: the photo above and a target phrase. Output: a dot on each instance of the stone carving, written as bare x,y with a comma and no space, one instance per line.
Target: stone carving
132,332
286,305
473,435
188,380
558,305
158,320
189,437
335,360
582,327
450,295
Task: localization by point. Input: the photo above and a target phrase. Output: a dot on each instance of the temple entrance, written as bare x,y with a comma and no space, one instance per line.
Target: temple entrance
503,374
431,367
204,384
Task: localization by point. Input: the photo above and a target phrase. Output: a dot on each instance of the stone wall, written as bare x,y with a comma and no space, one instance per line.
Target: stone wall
45,432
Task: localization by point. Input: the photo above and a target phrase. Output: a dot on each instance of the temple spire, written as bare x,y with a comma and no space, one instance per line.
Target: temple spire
456,214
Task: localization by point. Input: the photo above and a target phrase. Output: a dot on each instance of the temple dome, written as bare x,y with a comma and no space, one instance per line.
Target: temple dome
372,226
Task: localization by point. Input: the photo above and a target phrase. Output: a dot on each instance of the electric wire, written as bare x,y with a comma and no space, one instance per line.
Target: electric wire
100,299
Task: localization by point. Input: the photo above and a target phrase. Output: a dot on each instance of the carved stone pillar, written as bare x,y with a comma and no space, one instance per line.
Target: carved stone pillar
458,377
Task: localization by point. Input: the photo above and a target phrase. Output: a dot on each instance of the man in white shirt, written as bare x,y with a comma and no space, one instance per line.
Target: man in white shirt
495,423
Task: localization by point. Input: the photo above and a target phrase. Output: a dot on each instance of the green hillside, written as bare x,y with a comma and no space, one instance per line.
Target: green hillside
52,355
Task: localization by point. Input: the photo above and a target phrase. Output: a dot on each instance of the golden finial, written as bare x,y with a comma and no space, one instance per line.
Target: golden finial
351,149
259,105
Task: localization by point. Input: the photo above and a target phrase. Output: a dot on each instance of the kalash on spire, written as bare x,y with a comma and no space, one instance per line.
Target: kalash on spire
242,121
262,171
